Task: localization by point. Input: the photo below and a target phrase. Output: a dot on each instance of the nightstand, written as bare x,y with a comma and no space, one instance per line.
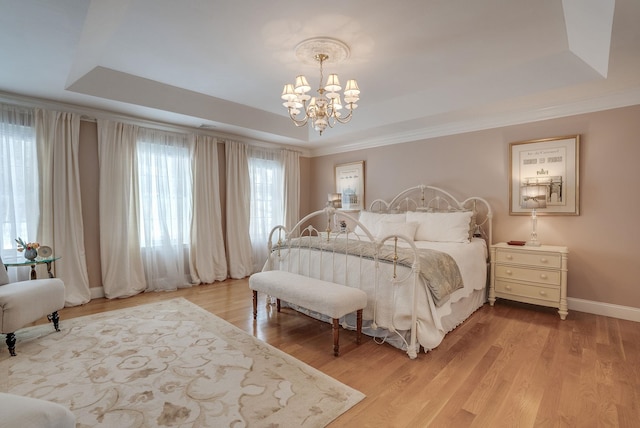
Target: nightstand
536,275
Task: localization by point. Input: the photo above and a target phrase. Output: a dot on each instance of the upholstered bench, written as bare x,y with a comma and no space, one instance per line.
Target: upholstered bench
327,298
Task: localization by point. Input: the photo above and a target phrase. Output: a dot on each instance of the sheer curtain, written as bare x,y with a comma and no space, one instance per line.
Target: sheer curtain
61,225
238,210
19,191
267,200
122,270
208,258
164,176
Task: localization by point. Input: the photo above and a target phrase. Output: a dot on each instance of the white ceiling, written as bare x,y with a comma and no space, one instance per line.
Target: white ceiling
425,67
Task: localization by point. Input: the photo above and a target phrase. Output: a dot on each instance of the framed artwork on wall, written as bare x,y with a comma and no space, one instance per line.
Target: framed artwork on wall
350,185
544,175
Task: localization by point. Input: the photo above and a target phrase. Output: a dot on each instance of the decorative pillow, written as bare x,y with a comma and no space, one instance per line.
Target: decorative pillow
441,226
386,228
372,221
4,278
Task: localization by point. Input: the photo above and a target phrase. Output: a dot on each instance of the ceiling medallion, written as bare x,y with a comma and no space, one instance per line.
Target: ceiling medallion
324,109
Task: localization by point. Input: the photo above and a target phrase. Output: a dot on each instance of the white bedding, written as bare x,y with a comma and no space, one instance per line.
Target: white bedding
389,308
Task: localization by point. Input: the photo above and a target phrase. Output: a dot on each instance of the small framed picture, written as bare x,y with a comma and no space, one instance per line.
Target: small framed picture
545,172
350,185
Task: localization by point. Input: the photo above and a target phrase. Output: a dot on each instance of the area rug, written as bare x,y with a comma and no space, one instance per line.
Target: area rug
169,364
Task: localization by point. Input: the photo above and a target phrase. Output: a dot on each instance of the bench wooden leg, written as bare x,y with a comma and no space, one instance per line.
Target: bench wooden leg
336,337
278,304
255,304
359,326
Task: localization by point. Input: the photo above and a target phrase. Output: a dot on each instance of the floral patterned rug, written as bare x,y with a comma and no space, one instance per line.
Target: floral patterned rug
169,364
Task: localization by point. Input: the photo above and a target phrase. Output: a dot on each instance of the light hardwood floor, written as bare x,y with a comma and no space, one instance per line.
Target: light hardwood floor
511,365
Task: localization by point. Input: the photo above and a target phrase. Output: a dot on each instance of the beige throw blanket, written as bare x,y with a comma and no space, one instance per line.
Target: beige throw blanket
438,269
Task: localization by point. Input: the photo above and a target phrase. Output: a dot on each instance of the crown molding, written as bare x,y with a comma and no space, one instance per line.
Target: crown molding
89,114
608,102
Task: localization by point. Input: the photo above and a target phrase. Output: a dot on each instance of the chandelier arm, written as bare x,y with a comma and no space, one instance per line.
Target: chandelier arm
299,122
345,119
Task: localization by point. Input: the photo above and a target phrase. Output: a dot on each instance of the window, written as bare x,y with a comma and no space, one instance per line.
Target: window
267,202
165,189
19,190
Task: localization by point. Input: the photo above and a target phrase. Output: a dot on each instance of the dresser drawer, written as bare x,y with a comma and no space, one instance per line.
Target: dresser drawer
529,291
548,277
551,260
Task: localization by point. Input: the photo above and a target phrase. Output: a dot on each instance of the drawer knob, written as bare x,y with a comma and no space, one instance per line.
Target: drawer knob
543,260
543,276
508,287
509,257
508,272
543,293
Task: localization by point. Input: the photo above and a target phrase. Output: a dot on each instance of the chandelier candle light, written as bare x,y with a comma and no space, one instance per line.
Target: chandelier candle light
324,109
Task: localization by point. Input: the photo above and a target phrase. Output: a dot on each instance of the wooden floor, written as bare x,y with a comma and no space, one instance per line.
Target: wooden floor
511,365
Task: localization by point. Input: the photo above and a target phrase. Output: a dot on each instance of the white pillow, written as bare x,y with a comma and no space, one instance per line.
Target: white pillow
441,227
372,221
386,228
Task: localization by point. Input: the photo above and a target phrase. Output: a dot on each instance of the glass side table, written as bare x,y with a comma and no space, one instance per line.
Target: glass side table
21,261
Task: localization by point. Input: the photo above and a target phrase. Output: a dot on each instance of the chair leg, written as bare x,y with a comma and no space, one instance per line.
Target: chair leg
255,304
11,337
55,318
11,343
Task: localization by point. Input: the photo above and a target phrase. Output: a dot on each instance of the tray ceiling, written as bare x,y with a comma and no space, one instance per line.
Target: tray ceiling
425,68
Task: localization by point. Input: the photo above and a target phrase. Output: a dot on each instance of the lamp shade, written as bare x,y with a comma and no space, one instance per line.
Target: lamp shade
335,200
533,197
352,89
288,93
535,202
302,86
333,84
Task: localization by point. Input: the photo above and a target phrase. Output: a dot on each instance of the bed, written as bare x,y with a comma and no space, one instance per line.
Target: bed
422,258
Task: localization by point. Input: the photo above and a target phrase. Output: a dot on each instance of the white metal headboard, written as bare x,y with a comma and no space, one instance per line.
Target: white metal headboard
430,198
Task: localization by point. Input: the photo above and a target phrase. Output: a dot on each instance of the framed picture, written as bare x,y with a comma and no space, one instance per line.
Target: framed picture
544,175
350,184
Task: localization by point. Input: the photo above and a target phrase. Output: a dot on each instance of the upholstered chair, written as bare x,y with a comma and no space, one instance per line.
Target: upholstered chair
23,302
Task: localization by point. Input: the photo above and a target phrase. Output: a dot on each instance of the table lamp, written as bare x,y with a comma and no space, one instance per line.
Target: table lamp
533,198
334,200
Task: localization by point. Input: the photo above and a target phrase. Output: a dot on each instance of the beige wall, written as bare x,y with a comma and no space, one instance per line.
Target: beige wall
89,179
604,240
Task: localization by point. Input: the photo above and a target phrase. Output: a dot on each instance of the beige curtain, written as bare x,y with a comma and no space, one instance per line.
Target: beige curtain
208,260
60,225
291,175
122,269
238,210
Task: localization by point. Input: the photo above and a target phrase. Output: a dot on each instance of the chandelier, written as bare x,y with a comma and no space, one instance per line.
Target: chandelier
325,108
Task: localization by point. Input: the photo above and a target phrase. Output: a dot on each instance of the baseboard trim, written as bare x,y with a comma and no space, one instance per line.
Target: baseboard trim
580,305
96,292
606,309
